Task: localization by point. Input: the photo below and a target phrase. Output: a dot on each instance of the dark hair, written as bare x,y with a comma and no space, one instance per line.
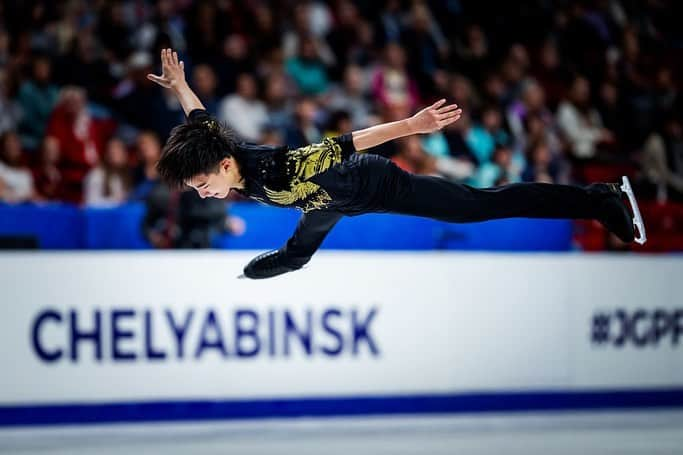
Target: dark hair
194,148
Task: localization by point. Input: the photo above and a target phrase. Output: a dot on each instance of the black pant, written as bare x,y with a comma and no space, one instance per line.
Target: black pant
381,186
437,198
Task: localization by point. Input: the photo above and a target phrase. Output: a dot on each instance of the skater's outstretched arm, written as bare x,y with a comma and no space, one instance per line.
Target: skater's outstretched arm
173,77
428,120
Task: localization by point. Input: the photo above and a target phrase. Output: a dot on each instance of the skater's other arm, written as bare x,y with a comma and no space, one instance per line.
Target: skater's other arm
428,120
173,77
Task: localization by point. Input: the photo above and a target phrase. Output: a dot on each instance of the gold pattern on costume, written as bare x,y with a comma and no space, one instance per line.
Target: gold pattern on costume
307,162
313,196
314,159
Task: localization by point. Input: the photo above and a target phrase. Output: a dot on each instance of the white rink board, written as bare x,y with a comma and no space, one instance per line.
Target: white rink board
441,323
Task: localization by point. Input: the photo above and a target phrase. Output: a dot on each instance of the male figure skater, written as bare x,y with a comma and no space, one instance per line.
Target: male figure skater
332,179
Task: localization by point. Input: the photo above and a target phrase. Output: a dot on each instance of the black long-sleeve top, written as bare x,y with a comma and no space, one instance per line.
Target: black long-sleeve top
297,178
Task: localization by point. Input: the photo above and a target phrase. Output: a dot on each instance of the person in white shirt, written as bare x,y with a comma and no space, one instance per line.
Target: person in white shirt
580,122
108,184
17,180
243,111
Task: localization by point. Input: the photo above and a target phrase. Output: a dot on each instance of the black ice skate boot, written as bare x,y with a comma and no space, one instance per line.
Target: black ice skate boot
270,264
615,215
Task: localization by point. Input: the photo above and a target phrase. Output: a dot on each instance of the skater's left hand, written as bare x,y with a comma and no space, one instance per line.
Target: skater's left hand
434,117
173,70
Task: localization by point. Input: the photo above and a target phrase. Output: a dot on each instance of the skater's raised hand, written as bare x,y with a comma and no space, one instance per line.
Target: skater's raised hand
172,71
434,117
173,77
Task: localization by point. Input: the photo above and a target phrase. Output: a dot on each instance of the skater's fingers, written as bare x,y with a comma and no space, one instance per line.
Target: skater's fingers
175,58
159,80
438,104
182,65
450,107
450,115
448,121
164,57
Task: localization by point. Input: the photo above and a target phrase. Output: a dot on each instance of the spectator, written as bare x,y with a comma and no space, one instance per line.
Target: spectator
36,98
16,177
46,175
266,29
345,35
411,157
351,97
204,83
473,54
304,130
541,167
108,184
426,47
581,123
456,134
662,160
494,90
389,22
243,111
550,73
164,23
80,137
484,137
233,60
531,103
160,226
4,48
392,86
145,175
175,219
500,169
307,69
278,104
112,29
611,109
536,130
304,29
83,66
9,109
201,220
461,91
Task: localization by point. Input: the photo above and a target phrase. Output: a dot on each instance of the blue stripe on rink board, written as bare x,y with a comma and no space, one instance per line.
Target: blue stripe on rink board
339,406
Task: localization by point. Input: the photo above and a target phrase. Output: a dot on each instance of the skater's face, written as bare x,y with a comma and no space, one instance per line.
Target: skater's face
218,184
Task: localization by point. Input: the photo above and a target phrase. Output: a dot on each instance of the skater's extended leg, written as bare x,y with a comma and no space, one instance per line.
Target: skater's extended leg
441,199
438,198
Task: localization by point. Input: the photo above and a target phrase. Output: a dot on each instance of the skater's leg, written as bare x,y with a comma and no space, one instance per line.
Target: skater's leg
310,232
391,189
442,199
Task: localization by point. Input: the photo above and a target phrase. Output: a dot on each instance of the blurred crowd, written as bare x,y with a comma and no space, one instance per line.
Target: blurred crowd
549,89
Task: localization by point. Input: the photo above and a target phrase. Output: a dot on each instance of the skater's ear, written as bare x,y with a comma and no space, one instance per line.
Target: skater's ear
226,163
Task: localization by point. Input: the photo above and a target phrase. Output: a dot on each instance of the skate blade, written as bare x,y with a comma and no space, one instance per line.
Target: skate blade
641,238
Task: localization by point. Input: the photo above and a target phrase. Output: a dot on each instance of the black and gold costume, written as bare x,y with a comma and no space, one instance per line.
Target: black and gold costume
329,180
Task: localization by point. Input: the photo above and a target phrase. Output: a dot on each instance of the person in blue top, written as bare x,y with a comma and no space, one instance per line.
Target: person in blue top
334,178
